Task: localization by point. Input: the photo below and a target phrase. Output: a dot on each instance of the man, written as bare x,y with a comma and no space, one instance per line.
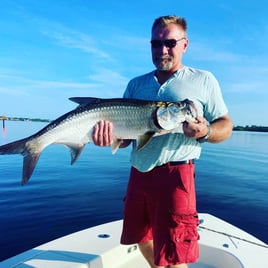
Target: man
160,209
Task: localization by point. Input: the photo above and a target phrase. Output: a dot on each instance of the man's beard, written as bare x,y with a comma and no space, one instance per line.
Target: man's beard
163,63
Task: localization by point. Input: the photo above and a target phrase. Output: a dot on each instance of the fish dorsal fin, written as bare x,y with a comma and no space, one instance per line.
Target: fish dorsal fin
84,100
144,139
75,150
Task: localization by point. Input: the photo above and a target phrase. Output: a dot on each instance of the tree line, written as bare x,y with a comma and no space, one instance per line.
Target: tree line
251,128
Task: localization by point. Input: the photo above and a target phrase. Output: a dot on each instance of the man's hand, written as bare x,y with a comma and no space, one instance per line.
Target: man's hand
220,129
103,133
197,129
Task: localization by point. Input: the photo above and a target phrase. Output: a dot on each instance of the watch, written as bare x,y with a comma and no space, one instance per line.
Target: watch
205,138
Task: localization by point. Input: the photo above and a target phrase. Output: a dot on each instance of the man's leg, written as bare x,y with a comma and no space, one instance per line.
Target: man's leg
147,251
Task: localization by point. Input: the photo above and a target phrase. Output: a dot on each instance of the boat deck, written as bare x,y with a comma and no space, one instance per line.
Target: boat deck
222,245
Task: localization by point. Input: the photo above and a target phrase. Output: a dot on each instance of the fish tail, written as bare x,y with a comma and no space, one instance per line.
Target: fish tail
16,147
29,163
29,158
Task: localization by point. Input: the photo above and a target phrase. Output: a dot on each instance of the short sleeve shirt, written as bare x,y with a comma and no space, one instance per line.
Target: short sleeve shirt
199,86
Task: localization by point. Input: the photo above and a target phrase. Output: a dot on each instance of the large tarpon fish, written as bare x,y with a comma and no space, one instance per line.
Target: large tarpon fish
132,119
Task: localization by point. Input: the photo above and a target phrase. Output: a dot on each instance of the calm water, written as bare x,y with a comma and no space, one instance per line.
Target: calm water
232,183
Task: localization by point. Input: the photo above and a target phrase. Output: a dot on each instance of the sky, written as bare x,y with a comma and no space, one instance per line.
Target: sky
55,49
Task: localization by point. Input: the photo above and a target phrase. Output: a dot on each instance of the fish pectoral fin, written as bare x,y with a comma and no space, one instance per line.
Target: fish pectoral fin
144,139
75,150
29,163
115,145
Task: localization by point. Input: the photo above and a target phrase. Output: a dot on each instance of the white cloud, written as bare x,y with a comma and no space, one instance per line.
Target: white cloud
102,83
74,39
107,76
11,91
245,87
207,52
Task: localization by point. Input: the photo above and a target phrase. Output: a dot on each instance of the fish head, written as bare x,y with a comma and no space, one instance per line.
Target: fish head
170,115
190,111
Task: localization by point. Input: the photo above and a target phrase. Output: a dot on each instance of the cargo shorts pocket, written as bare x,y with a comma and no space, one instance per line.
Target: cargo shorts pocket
184,243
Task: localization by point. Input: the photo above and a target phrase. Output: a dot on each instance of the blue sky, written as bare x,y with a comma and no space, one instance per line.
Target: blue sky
53,50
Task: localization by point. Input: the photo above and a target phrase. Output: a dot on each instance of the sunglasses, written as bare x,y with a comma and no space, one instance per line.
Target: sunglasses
169,43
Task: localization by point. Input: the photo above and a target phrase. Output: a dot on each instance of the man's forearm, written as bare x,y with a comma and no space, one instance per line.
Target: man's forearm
220,129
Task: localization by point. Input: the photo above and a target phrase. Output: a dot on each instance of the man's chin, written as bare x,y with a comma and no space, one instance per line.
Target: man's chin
165,67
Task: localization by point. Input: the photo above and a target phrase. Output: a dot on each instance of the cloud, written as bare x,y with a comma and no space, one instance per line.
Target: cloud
113,76
13,92
69,38
247,87
242,77
102,83
202,51
129,42
29,97
15,85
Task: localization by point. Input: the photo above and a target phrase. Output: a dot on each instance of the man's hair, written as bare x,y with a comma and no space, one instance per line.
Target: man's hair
166,20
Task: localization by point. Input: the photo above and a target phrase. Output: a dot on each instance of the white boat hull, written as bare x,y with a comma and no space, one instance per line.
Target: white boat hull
222,245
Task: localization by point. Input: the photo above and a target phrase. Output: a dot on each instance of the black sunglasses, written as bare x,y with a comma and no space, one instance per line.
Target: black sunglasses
170,43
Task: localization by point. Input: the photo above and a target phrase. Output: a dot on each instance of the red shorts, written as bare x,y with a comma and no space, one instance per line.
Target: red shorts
161,206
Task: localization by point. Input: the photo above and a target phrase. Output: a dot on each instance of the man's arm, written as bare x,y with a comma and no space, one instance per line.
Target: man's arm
220,129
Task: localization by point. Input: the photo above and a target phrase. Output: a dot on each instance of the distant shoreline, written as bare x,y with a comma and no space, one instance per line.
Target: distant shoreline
251,128
25,119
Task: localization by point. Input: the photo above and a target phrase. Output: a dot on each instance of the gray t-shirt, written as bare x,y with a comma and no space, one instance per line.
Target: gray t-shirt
199,86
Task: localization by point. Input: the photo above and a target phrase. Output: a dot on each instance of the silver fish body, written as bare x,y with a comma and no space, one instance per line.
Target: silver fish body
132,119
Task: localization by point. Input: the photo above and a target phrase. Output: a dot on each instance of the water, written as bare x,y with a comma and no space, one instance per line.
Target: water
231,183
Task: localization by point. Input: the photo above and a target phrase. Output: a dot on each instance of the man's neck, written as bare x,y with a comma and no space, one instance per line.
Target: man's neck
163,76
